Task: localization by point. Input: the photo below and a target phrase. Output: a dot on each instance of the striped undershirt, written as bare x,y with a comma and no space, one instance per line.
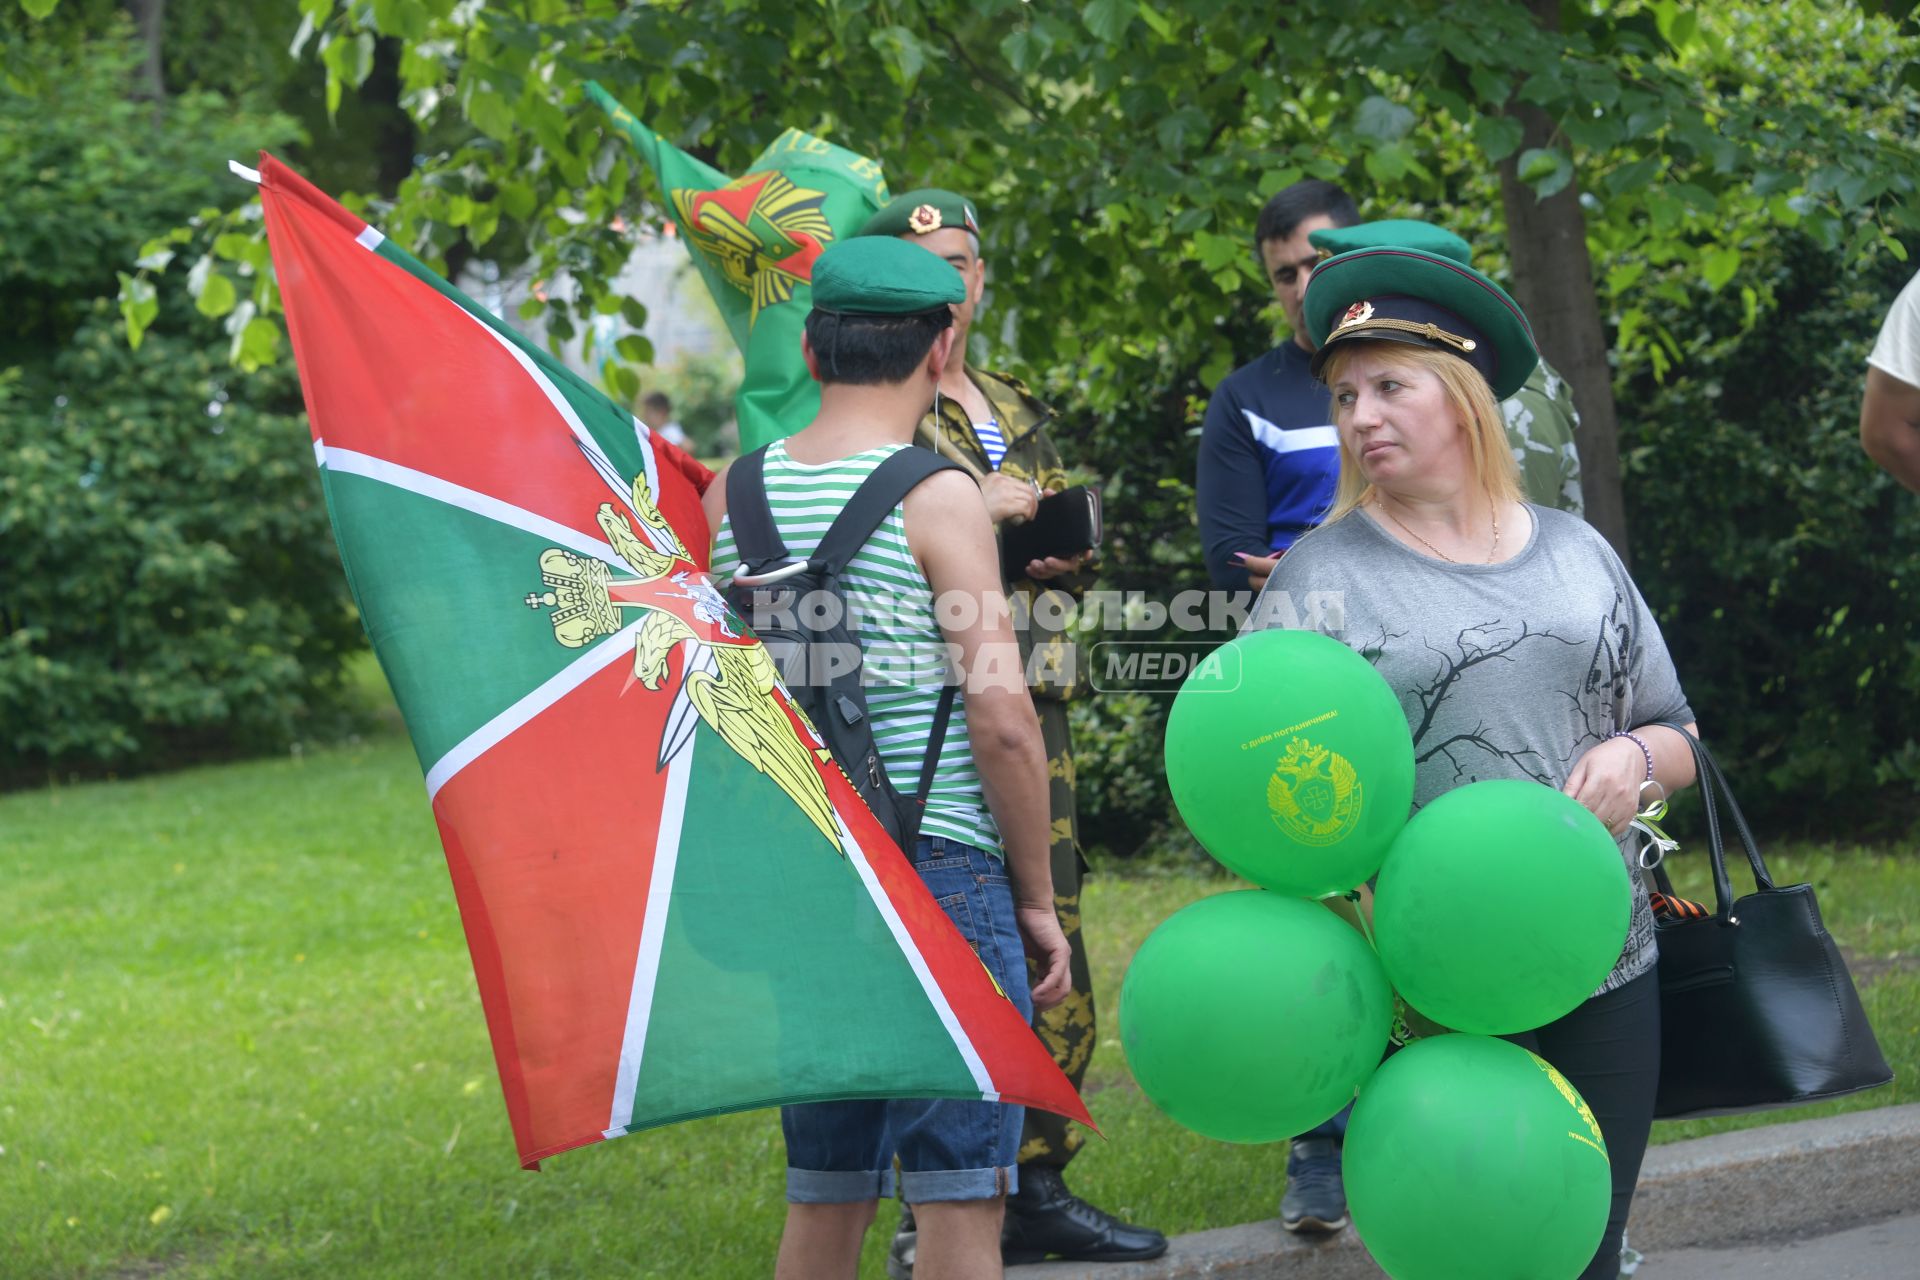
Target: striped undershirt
991,440
903,651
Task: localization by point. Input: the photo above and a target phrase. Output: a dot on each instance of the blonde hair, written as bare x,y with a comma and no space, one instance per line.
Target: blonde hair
1468,395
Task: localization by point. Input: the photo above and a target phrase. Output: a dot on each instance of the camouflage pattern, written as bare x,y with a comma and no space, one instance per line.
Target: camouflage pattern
1068,1028
1054,676
1540,424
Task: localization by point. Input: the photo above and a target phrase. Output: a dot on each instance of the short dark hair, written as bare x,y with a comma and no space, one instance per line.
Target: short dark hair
866,351
1291,206
656,400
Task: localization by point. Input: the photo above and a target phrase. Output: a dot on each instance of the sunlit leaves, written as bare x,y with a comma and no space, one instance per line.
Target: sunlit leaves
1547,170
139,304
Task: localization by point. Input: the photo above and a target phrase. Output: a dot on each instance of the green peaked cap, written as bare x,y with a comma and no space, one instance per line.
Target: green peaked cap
1394,233
880,276
1386,293
921,212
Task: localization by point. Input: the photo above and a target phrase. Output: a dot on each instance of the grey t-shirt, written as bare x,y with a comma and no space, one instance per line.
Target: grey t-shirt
1511,670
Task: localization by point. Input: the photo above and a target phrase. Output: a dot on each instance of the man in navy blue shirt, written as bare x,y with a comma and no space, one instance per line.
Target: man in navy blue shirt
1269,454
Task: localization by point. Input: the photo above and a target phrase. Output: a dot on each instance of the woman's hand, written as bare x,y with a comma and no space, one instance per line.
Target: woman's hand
1607,781
1258,568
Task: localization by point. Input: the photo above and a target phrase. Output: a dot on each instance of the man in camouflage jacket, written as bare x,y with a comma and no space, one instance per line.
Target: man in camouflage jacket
1541,420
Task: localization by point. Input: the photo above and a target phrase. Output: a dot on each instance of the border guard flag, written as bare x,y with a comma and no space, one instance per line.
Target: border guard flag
754,239
675,902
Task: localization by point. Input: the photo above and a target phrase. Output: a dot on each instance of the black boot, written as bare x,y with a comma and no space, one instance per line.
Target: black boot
1044,1218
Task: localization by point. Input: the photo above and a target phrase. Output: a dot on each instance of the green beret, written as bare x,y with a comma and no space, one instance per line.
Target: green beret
870,276
1404,295
917,213
1392,233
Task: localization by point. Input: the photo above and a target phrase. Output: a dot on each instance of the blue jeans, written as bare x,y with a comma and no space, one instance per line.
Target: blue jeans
949,1149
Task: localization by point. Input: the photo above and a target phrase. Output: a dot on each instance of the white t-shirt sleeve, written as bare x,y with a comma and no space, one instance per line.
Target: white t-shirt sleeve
1897,349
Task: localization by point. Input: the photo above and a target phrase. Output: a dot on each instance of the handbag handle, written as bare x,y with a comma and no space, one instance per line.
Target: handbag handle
1712,780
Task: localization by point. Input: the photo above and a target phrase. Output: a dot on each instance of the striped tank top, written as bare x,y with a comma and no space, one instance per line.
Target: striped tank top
903,651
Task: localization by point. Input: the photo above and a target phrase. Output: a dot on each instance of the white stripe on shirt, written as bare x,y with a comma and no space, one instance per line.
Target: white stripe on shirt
1291,440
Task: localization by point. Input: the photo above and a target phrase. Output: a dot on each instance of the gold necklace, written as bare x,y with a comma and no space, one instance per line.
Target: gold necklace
1494,551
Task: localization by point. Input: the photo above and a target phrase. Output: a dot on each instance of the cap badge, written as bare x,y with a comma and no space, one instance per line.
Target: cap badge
923,219
1359,313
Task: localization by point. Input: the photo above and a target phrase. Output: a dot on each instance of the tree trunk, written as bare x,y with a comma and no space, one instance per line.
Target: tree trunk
147,16
1553,281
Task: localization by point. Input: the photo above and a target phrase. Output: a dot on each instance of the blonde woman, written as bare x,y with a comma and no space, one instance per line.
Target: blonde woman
1516,641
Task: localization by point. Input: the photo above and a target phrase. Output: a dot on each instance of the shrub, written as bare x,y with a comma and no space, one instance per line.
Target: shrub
171,585
1783,565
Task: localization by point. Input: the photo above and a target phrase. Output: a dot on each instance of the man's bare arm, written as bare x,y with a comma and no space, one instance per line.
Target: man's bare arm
1890,426
948,530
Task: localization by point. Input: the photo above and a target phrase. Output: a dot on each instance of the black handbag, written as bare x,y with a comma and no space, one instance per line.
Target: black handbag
1757,1009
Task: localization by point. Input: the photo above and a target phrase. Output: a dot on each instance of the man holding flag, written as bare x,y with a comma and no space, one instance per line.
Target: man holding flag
991,425
591,719
877,338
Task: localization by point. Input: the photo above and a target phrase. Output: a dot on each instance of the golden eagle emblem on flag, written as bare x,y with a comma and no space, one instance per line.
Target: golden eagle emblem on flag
729,682
764,230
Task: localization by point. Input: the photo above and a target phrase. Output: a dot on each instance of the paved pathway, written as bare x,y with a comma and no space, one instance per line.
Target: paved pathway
1879,1251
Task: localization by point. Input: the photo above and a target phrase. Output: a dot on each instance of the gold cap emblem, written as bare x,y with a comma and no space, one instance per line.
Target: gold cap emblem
924,218
1359,313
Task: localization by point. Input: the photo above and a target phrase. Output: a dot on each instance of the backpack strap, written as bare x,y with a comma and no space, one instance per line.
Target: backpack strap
935,741
755,536
877,496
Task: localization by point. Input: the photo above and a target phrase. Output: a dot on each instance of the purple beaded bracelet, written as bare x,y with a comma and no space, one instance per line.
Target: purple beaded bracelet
1645,750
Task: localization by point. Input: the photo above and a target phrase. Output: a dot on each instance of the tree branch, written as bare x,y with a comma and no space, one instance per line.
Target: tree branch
1008,91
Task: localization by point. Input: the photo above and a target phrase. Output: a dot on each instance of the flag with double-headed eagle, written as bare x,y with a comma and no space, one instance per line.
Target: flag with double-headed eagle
754,239
675,902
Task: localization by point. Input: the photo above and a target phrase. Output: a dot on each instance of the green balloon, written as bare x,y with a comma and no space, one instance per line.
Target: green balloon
1251,1017
1468,1156
1290,760
1500,907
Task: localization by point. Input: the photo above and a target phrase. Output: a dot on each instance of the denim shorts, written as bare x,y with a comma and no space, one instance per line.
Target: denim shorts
843,1152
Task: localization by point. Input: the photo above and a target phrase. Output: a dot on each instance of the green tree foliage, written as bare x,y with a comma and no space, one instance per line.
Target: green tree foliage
1121,145
1120,149
1783,565
89,177
171,586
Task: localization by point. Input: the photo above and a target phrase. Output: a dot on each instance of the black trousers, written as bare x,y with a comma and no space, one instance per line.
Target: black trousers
1609,1049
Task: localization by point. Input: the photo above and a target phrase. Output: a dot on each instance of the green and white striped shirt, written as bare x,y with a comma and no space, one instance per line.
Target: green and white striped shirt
903,651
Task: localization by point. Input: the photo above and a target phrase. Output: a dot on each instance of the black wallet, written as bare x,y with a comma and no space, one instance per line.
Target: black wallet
1063,525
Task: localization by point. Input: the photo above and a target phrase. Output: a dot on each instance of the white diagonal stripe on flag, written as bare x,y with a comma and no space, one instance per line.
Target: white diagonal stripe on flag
557,686
928,984
371,238
565,409
429,486
653,933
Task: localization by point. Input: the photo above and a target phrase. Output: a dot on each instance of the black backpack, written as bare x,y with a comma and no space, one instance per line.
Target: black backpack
821,663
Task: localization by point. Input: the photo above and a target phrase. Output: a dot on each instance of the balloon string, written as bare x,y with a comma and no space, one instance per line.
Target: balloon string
1360,912
1658,843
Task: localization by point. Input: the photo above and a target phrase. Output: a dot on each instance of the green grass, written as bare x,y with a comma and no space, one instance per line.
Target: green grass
239,1036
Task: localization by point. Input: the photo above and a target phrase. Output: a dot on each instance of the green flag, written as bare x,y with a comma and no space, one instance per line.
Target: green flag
754,239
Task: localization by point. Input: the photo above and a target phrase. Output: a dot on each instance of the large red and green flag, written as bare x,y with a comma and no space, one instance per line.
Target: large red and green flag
676,903
754,239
